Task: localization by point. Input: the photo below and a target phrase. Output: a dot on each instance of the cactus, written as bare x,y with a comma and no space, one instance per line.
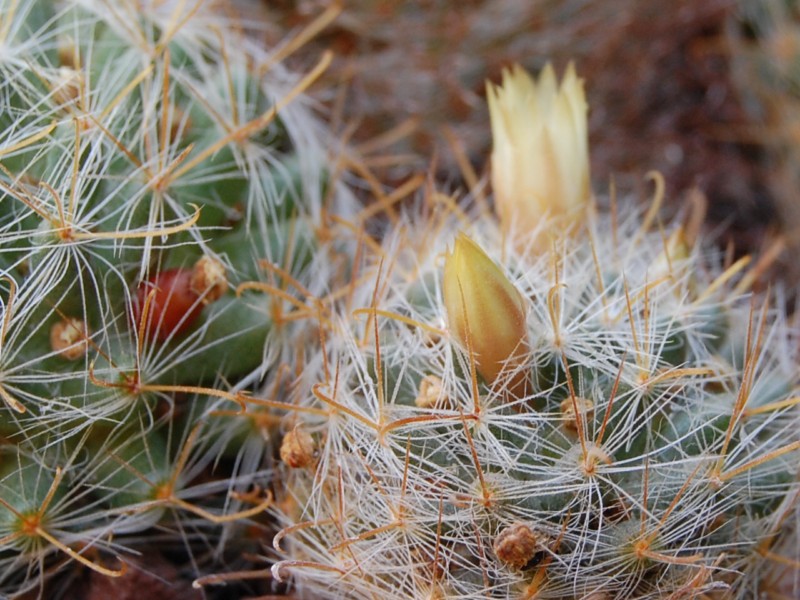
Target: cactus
574,403
162,182
588,405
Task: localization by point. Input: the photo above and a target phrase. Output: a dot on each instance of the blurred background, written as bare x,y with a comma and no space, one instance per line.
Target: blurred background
707,92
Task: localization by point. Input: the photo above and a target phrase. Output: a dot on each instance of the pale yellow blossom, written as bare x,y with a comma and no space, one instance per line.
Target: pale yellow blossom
540,157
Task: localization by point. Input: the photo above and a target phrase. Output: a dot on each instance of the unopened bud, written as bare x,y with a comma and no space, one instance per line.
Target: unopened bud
486,313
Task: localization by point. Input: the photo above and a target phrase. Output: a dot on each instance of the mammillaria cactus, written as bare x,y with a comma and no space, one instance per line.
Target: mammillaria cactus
162,179
590,404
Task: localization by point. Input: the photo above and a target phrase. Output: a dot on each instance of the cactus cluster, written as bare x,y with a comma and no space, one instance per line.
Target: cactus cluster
162,179
565,399
575,400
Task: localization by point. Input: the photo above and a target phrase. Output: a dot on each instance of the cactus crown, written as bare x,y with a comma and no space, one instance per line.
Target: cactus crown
650,454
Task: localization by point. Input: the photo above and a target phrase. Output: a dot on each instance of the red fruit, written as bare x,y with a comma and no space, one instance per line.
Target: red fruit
174,306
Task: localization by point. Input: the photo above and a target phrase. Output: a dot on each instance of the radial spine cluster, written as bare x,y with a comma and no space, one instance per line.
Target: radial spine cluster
162,179
594,406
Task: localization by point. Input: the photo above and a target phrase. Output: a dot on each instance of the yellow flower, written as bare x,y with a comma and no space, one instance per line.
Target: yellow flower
486,314
540,158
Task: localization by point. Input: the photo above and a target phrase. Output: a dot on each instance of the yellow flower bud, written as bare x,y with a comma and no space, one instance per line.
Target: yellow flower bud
486,313
540,158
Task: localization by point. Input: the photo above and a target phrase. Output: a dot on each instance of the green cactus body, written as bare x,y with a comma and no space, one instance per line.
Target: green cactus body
136,141
652,466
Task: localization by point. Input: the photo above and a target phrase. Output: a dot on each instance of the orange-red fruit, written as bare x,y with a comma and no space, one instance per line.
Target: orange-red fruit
174,306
